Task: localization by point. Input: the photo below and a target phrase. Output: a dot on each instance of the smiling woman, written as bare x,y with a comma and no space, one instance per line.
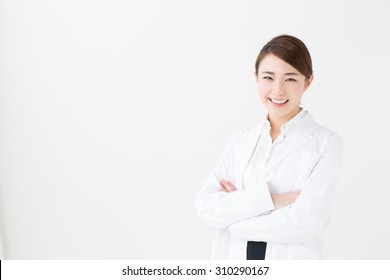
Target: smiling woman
270,192
280,90
283,71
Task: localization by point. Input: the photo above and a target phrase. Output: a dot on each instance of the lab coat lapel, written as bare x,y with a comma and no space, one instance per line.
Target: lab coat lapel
248,145
301,135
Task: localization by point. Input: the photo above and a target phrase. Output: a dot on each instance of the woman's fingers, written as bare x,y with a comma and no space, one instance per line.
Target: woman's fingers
222,185
226,186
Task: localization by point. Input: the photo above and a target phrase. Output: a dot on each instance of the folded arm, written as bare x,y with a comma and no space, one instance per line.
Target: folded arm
222,208
308,215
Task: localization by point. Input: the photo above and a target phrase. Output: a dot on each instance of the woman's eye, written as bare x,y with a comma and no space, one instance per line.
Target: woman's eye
290,80
267,78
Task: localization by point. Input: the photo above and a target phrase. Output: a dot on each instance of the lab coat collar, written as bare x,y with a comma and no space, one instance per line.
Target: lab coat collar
301,133
289,126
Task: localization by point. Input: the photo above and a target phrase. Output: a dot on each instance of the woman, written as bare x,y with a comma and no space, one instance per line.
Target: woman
269,194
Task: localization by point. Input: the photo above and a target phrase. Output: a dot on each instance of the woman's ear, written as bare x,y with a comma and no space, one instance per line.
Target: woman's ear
308,82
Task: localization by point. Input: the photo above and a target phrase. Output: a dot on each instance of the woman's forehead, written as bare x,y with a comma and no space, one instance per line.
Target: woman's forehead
272,64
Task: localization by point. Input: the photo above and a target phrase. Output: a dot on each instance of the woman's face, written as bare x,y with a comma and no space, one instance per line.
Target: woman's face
280,87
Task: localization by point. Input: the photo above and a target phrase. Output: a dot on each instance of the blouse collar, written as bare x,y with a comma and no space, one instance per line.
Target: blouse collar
287,127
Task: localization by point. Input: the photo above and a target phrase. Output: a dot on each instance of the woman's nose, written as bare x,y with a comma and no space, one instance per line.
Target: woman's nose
278,87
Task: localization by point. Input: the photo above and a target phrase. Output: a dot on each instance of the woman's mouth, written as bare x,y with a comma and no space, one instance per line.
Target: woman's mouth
278,102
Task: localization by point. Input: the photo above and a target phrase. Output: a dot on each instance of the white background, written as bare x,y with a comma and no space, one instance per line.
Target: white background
112,113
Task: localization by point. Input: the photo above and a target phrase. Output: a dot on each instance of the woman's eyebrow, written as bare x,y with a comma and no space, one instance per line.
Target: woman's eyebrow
286,74
291,74
268,72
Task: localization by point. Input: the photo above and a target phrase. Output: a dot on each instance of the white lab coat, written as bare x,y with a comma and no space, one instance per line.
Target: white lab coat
308,161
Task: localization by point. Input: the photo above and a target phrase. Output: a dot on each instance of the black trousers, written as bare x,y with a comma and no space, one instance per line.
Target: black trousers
255,250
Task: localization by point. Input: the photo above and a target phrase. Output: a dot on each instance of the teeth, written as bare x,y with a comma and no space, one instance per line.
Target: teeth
279,101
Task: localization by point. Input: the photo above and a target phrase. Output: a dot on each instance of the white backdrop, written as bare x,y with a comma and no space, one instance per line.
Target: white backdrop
113,112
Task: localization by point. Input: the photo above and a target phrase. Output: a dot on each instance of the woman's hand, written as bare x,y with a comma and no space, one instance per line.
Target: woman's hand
281,200
226,186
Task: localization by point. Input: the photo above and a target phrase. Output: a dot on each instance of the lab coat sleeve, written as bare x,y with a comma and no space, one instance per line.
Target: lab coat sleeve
308,215
221,209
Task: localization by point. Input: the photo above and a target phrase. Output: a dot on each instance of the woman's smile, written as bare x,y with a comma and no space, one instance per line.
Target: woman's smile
278,102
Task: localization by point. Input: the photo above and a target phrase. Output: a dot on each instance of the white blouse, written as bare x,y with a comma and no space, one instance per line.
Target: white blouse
264,151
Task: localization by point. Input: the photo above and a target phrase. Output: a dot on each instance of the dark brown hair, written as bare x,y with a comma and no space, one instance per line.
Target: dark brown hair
291,50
